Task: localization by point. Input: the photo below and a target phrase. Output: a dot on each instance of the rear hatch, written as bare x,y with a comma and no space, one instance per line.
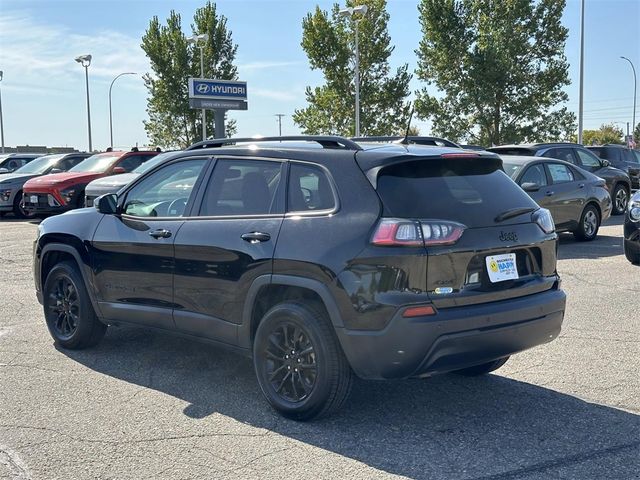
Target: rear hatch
478,228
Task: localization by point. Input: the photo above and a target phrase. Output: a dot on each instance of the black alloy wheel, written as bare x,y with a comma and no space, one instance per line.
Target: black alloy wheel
299,363
64,306
291,362
70,317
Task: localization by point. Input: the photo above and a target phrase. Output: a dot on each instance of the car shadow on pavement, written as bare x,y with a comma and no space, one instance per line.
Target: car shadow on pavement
487,427
602,246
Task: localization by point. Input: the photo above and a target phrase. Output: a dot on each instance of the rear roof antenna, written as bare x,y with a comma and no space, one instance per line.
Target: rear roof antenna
405,140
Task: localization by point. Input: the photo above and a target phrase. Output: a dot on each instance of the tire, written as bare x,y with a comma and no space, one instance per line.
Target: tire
483,368
18,211
632,255
70,317
620,199
324,377
589,224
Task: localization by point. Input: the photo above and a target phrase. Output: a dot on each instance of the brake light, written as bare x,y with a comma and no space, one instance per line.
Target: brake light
417,233
420,311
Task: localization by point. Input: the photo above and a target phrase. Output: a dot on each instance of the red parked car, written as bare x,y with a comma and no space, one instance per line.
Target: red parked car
59,192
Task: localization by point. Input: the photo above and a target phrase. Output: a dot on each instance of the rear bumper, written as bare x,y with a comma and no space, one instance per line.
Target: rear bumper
454,338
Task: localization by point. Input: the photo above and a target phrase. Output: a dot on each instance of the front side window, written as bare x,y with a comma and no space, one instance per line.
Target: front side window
535,174
166,192
132,162
560,173
243,187
588,160
309,189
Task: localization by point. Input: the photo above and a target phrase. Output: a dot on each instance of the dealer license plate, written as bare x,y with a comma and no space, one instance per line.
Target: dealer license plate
502,267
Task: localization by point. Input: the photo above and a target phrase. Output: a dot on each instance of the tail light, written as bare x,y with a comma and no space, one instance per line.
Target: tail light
544,220
417,233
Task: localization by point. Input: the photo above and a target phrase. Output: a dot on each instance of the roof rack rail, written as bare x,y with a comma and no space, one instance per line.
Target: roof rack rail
416,139
327,141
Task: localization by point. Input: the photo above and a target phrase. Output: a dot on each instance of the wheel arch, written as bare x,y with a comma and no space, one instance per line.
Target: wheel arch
54,252
269,290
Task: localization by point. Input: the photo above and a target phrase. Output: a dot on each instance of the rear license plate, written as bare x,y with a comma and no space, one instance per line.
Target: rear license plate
33,199
502,267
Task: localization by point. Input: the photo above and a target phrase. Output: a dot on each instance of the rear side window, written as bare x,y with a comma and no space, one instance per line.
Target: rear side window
469,191
565,154
560,173
309,189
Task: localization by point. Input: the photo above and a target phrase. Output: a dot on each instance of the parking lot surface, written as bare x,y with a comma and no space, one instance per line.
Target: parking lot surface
147,405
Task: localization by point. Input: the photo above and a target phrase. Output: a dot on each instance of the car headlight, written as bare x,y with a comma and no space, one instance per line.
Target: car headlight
5,193
69,194
544,220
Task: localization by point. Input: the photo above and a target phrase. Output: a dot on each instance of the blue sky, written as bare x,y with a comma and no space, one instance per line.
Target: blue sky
43,96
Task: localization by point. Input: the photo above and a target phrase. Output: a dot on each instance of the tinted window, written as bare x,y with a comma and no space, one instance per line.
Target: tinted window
588,160
153,161
69,162
637,155
309,189
461,190
164,193
534,174
560,173
39,165
242,187
627,155
133,161
565,154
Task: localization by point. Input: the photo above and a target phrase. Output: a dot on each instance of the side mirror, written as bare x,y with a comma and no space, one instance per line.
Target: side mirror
107,204
605,162
118,170
56,170
530,187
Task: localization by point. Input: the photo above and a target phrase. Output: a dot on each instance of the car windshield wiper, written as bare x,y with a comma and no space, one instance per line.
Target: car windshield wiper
514,212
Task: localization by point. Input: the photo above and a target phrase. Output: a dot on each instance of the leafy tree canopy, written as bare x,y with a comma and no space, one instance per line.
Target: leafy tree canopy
172,123
329,41
500,68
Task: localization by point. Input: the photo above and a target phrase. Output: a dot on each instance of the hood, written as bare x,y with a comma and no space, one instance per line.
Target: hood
113,181
62,178
14,178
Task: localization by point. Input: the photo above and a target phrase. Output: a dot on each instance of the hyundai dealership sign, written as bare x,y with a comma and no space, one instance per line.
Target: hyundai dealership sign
210,89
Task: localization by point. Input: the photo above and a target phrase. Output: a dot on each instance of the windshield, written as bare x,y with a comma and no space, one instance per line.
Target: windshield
149,164
511,169
97,163
40,164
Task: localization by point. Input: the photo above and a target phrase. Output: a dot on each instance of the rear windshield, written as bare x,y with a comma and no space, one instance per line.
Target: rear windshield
469,191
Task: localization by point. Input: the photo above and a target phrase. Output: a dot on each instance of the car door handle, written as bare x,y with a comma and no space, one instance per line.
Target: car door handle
255,237
160,233
549,193
581,185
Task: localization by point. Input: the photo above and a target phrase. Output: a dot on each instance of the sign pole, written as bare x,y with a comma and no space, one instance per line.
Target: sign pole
204,112
219,114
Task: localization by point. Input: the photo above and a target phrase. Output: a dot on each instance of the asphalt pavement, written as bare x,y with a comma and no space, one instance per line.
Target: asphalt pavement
148,405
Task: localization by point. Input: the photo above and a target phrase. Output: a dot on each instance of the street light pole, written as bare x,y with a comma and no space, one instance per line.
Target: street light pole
350,12
110,112
633,123
580,102
1,120
85,61
279,115
200,42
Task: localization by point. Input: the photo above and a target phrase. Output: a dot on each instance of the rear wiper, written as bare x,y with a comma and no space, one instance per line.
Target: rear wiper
514,212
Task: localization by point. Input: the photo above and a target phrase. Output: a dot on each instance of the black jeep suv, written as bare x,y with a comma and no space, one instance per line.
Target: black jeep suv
319,257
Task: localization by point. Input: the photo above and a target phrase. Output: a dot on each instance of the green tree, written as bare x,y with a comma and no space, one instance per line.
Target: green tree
172,123
607,133
328,39
636,135
500,68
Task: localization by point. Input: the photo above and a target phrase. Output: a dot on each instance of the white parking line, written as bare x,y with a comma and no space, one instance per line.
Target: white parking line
14,463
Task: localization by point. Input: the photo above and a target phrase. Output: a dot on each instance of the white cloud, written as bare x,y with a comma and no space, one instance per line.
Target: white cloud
33,51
